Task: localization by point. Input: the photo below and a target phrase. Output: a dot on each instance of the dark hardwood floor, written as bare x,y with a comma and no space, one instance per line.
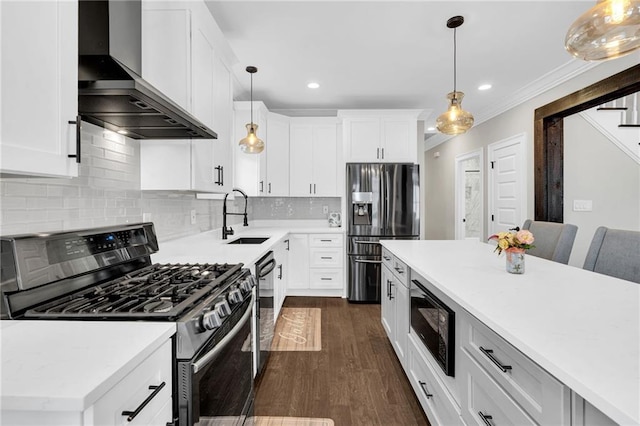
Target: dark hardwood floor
356,379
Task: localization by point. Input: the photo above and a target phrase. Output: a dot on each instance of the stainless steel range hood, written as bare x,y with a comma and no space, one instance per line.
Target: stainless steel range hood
111,93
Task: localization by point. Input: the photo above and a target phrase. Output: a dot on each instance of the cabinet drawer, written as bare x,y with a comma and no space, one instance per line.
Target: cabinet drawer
325,240
326,278
387,259
321,257
131,391
540,394
483,397
401,271
436,401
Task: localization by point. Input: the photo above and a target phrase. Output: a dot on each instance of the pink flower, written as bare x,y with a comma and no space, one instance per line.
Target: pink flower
525,237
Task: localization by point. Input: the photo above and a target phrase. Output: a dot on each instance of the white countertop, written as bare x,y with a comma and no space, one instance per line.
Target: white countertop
69,365
582,327
210,247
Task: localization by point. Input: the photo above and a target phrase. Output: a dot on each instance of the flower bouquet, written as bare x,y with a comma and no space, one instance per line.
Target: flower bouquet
514,243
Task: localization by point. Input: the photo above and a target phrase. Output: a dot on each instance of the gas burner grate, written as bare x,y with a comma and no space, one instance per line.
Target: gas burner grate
158,291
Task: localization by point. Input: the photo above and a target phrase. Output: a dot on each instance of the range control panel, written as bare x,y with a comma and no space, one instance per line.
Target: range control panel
78,246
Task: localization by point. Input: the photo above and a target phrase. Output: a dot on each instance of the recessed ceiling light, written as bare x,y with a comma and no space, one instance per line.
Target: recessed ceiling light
313,85
431,129
122,132
484,87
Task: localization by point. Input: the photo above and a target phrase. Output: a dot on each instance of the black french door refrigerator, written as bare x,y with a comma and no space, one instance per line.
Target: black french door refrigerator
382,203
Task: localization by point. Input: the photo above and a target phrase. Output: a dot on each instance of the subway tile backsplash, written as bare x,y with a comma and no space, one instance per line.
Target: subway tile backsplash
107,192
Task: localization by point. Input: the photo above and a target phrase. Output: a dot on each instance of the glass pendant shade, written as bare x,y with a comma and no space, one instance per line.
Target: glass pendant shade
455,120
608,30
251,144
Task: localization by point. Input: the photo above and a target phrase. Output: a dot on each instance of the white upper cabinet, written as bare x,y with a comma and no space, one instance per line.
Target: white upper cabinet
179,58
249,169
39,88
275,177
314,157
380,135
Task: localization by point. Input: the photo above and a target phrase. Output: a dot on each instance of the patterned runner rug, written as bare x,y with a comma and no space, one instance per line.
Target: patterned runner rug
298,329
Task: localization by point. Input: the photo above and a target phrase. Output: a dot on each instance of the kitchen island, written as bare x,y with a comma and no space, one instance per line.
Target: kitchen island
581,327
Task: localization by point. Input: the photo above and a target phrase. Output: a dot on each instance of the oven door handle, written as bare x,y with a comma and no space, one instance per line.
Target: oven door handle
210,356
267,268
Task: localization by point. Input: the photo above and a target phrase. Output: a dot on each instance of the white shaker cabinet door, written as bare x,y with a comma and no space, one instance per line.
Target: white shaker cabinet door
223,125
363,139
298,262
325,164
399,139
277,173
39,89
301,184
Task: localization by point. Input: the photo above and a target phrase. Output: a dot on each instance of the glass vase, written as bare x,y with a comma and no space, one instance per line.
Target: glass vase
515,260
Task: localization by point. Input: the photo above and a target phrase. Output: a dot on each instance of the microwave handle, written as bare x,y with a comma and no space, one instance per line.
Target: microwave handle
210,356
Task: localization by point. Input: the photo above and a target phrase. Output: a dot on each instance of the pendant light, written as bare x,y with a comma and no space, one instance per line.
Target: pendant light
251,144
455,120
608,30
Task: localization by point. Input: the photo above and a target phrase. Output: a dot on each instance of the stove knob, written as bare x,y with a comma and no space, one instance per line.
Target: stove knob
246,286
211,320
235,296
222,308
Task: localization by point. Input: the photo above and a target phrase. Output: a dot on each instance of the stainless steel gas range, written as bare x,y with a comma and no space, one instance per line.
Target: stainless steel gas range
106,274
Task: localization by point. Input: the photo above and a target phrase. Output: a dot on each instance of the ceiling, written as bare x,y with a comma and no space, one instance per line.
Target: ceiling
396,54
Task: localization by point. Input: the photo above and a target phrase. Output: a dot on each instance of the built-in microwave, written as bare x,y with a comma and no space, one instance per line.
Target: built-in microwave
434,322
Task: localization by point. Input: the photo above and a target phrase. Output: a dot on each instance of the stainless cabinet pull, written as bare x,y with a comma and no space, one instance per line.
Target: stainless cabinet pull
388,289
423,385
287,241
367,261
399,270
366,242
326,257
78,139
378,153
314,188
386,258
489,354
325,279
485,418
391,290
280,273
261,186
326,241
269,187
383,153
310,185
132,414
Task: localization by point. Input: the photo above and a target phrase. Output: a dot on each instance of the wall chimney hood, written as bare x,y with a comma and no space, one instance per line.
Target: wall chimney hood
111,93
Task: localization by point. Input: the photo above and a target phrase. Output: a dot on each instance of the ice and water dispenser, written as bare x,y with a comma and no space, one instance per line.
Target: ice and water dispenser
361,205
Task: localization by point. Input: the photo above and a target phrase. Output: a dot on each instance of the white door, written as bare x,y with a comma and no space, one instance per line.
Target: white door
507,184
469,195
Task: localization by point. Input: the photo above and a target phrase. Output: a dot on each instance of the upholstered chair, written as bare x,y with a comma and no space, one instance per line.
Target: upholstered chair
615,252
553,241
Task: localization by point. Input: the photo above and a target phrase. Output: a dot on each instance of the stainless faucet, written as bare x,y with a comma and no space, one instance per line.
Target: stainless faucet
229,231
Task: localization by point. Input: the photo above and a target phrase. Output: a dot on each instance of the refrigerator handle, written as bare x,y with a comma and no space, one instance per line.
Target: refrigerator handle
384,226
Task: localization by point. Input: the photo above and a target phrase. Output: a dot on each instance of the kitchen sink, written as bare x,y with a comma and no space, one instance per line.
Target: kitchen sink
249,240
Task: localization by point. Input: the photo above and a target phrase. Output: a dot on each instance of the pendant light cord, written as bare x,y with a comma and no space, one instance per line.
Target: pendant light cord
454,62
251,104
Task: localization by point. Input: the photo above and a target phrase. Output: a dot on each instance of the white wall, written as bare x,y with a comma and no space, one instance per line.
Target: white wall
439,172
596,169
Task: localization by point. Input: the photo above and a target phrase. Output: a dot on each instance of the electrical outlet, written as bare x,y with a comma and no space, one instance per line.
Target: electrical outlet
193,217
582,205
325,209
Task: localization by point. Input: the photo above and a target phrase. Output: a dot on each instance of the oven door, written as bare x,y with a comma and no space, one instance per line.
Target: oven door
434,323
216,386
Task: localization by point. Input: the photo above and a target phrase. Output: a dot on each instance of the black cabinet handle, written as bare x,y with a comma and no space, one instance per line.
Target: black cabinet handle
399,270
280,274
325,241
314,188
489,354
132,414
485,418
287,241
382,153
325,279
78,139
261,186
423,385
390,290
378,153
219,170
386,258
269,187
326,257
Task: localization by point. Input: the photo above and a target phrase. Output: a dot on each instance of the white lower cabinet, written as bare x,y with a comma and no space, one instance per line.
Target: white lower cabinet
129,394
440,407
585,414
395,303
281,255
316,265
